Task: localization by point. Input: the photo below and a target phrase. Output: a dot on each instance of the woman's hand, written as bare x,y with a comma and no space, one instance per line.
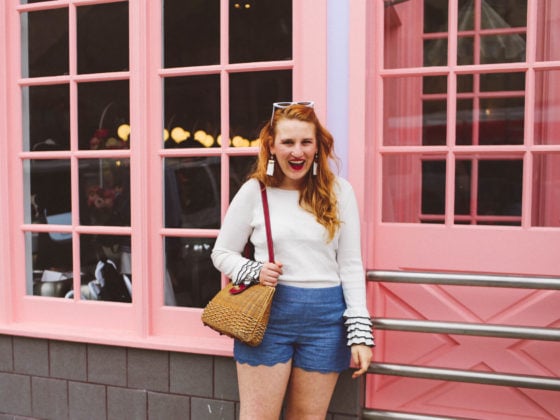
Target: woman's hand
361,356
269,273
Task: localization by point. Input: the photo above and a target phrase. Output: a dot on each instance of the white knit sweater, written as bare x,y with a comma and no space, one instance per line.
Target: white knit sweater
300,244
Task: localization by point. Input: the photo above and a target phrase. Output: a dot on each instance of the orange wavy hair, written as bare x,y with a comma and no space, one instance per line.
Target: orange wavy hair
317,195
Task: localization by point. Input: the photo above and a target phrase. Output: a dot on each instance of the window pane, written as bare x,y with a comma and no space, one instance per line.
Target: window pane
402,182
251,97
463,178
49,264
434,123
546,190
191,33
435,16
403,119
503,14
103,110
49,117
104,192
434,84
44,43
493,82
465,50
192,192
433,187
260,30
547,107
501,121
499,187
103,38
502,48
464,126
190,277
49,190
239,168
548,30
466,15
435,52
105,264
192,111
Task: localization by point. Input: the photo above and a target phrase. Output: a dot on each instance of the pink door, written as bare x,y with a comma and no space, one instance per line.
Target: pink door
464,146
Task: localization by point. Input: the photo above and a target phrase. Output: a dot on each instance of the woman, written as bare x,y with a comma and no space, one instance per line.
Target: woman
319,319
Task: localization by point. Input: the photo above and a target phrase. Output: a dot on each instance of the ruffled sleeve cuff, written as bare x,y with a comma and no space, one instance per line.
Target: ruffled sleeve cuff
249,273
359,331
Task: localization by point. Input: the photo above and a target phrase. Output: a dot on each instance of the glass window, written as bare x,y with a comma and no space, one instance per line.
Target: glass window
192,111
48,111
100,26
191,33
192,192
260,30
547,107
45,43
489,111
103,111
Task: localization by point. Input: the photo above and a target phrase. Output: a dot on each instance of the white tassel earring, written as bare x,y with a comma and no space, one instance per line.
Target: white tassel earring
270,166
315,164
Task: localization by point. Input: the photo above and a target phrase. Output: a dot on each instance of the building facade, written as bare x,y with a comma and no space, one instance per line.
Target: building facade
126,127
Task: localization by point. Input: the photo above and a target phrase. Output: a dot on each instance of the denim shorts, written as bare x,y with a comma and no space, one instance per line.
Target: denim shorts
305,326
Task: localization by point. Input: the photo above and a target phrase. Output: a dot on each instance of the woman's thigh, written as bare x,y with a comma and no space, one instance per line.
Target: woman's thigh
262,389
309,394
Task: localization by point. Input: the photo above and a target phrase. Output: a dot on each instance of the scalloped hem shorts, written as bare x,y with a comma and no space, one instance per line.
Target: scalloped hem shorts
305,326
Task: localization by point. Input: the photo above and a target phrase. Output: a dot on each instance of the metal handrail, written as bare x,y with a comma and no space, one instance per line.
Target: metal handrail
549,283
459,375
370,414
463,328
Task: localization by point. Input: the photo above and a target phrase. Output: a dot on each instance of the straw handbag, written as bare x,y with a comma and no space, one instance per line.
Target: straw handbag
241,311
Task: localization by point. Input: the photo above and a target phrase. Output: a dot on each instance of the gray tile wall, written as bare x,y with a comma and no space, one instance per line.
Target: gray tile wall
58,380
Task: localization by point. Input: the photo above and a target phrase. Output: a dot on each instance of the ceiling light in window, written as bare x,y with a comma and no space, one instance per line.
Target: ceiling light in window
123,132
179,135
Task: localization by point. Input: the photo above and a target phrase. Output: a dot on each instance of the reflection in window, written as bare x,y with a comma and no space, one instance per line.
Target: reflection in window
190,277
433,189
192,192
49,117
106,267
192,111
403,120
434,122
101,26
239,168
45,43
546,190
547,107
104,192
548,12
499,187
49,189
191,32
251,97
501,121
260,30
104,115
49,264
401,188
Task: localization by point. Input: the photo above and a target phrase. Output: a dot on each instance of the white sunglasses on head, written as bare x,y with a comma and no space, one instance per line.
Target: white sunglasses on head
282,105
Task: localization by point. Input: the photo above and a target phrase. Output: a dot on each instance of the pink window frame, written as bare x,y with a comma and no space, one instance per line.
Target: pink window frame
146,322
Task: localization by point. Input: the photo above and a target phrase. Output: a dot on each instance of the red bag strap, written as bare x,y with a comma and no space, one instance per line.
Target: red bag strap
267,222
